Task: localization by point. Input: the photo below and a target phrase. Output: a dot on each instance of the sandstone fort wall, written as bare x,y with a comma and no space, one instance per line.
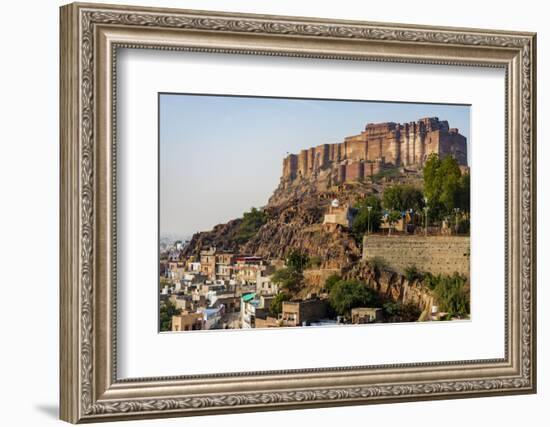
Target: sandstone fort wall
379,144
436,254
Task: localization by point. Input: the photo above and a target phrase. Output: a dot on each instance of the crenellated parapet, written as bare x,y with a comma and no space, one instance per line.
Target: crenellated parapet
378,146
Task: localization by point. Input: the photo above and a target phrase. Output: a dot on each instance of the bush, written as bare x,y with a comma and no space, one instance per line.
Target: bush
167,310
250,224
276,305
331,281
430,281
314,262
378,263
386,173
297,260
452,293
288,278
348,294
412,273
397,312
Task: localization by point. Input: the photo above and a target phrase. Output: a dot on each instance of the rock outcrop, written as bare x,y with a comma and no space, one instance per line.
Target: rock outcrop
293,224
392,286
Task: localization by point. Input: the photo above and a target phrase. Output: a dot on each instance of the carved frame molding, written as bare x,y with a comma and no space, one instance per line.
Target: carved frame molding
90,36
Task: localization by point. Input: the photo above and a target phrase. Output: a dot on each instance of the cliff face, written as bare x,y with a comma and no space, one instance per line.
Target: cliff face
221,236
296,224
292,223
393,286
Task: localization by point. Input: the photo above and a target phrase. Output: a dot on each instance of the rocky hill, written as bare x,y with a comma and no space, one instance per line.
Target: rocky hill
358,167
294,220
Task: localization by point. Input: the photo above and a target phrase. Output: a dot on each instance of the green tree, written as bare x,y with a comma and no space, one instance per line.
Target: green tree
402,197
445,187
297,260
276,305
250,224
411,198
392,218
167,310
450,177
463,197
398,312
348,294
432,187
331,281
365,217
288,278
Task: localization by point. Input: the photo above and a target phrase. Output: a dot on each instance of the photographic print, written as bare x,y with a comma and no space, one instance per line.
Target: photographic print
286,212
303,182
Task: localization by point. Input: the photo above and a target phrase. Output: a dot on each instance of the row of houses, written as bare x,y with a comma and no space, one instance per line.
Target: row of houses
209,292
313,311
224,265
218,266
224,290
254,312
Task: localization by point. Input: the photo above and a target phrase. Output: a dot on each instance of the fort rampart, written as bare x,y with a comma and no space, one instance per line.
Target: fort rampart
378,146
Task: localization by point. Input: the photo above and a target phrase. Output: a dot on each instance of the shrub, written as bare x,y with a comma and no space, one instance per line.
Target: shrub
314,262
452,293
167,310
386,173
276,305
297,260
331,281
348,294
378,263
412,273
397,312
250,224
288,278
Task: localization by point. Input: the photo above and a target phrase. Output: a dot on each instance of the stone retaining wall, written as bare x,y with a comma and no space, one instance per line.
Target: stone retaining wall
436,254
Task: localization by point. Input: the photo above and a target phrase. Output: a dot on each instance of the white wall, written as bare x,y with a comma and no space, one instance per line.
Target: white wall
29,170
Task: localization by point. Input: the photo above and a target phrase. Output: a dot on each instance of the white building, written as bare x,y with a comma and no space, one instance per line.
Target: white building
194,266
264,285
211,316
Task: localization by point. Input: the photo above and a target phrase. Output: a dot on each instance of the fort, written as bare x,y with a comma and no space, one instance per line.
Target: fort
379,146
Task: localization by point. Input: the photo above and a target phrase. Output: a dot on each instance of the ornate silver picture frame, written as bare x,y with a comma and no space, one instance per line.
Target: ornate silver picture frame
91,35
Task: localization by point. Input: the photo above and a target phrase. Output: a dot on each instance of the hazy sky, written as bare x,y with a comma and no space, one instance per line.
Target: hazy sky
221,155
